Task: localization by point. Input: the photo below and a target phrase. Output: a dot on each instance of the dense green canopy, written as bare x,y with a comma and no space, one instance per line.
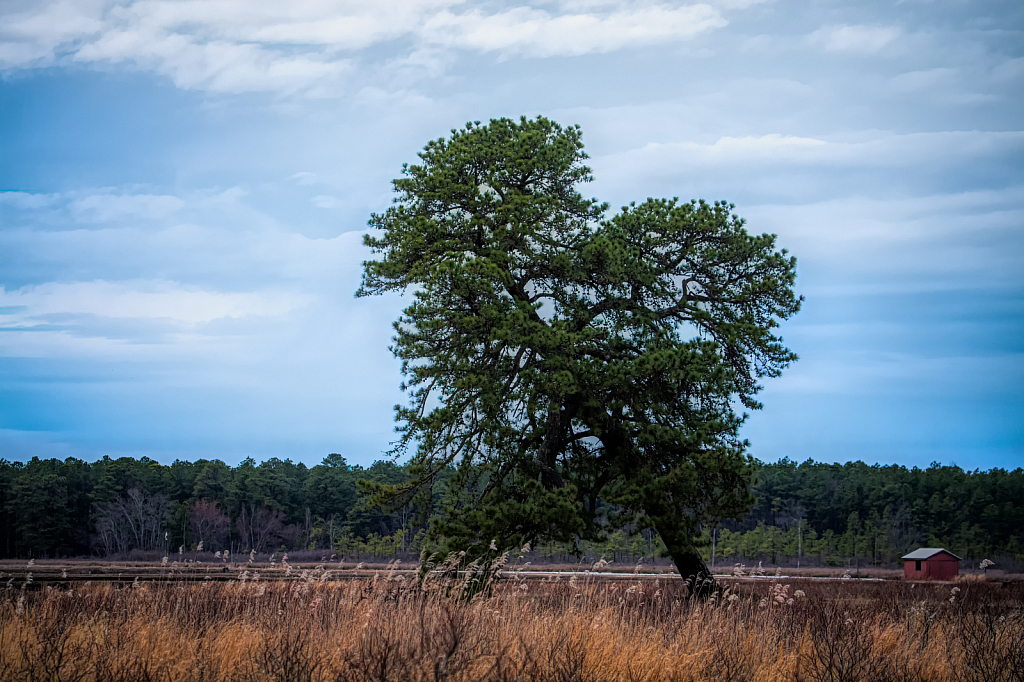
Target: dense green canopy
52,507
581,373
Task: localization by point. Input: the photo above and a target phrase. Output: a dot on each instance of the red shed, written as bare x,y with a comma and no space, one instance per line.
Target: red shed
931,563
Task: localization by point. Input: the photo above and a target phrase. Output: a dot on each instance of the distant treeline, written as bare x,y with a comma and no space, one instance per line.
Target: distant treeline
117,506
825,513
871,511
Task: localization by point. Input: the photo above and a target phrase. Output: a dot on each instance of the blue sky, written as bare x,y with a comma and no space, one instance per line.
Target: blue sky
186,184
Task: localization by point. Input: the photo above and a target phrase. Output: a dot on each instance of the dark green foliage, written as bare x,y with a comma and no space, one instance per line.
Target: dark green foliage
47,508
53,507
214,481
578,373
275,483
44,502
974,514
365,516
331,486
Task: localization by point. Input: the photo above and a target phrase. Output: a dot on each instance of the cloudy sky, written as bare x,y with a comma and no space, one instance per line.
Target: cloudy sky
186,184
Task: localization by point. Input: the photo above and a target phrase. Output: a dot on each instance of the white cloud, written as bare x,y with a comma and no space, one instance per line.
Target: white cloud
139,320
107,207
339,24
922,80
737,4
541,34
219,66
773,145
1010,69
867,213
229,196
856,39
27,200
33,32
225,318
141,300
900,373
881,150
325,201
309,47
304,178
210,238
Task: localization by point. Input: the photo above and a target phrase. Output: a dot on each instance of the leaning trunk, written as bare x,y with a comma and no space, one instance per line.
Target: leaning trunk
688,561
699,580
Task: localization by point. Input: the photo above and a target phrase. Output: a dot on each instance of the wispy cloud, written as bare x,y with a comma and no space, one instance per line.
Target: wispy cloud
146,299
219,66
186,264
868,149
855,39
232,46
538,33
106,207
325,201
304,178
134,320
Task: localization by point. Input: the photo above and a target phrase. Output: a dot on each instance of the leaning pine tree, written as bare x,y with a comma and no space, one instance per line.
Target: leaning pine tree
577,373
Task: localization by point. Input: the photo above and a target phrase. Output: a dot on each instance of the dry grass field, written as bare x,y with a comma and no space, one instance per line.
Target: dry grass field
387,627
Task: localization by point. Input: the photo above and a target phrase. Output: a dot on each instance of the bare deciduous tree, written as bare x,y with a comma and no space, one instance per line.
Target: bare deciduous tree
209,524
135,519
259,525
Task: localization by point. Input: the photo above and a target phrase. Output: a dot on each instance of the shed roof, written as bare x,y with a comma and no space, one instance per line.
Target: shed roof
928,553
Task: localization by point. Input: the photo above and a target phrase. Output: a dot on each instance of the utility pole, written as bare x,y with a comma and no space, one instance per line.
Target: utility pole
309,528
799,540
714,533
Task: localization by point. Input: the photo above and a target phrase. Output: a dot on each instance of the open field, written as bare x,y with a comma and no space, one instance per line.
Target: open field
65,572
554,629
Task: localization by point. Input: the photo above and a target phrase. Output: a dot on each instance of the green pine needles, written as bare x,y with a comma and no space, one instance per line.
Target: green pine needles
578,373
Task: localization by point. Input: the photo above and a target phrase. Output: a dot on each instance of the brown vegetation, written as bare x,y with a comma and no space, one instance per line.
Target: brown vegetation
387,628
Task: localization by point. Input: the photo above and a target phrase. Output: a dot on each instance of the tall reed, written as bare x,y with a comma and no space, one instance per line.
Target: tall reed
394,628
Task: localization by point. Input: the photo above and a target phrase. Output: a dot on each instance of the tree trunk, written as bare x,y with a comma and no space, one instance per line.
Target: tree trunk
694,571
699,581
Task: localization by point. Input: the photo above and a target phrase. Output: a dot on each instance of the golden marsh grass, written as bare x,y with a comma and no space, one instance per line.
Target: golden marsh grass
389,628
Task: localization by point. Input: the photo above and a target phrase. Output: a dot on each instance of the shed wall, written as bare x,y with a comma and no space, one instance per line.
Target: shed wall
942,566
